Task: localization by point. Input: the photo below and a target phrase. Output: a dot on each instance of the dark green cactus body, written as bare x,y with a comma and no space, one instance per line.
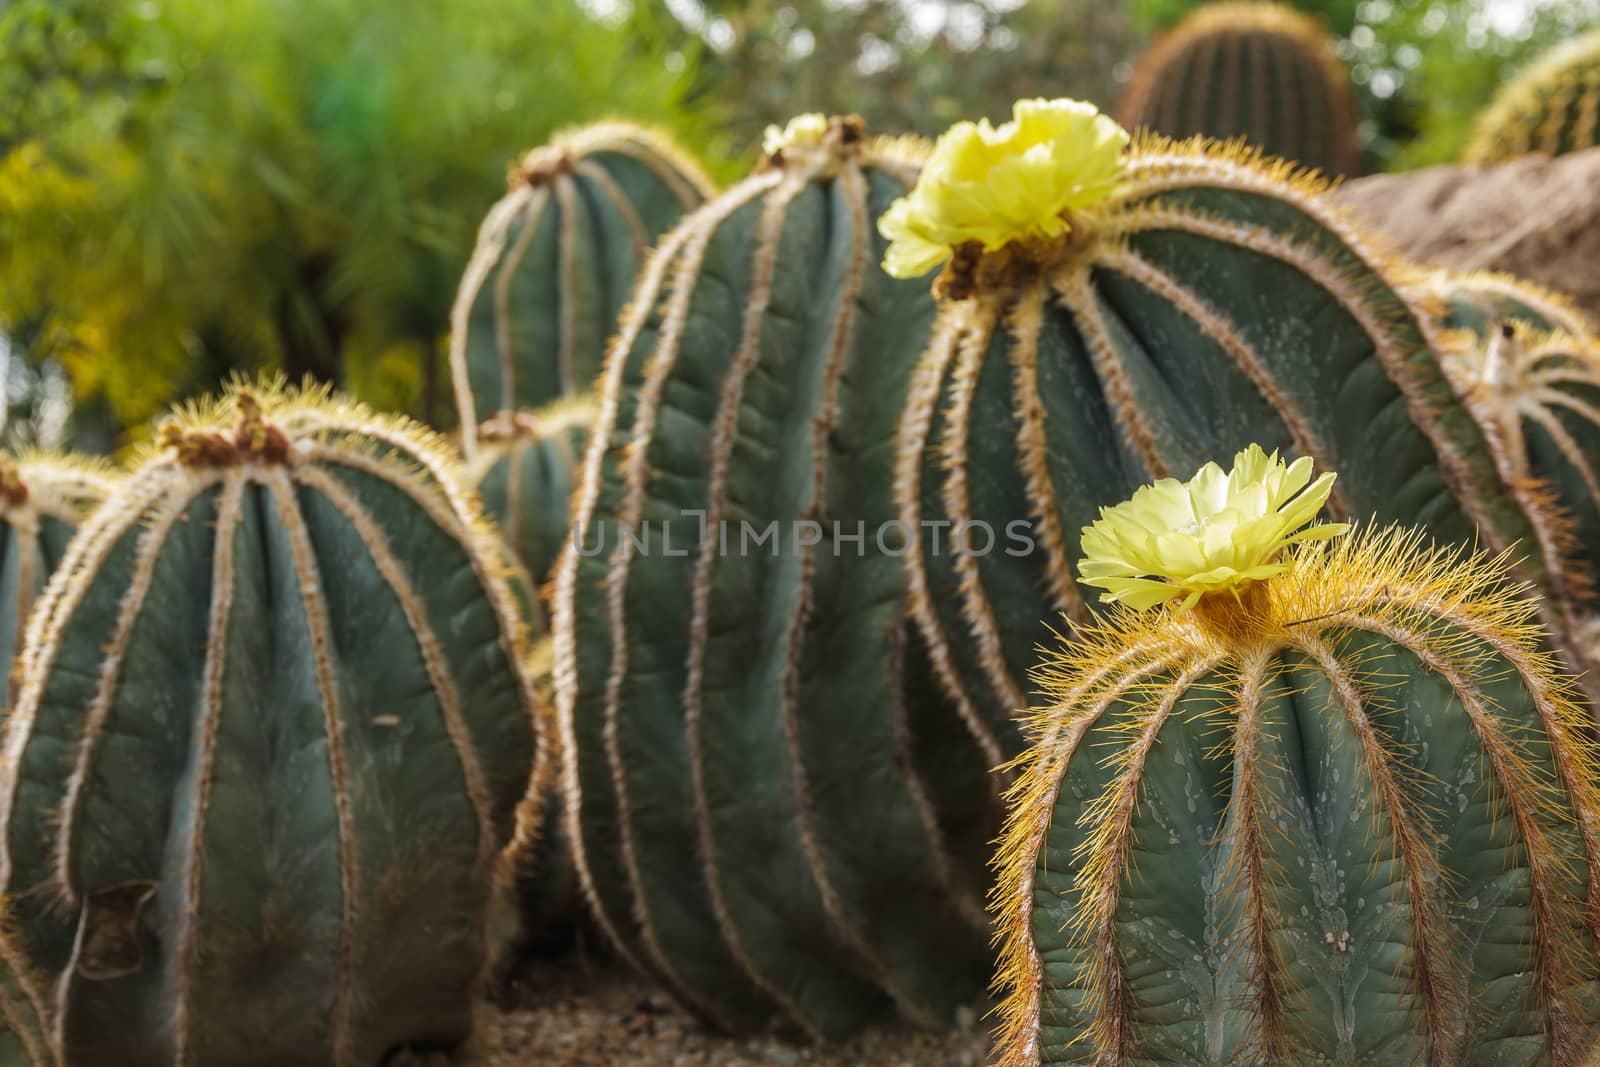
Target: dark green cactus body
555,262
752,806
1352,822
272,735
1209,305
525,470
1550,109
42,500
1258,71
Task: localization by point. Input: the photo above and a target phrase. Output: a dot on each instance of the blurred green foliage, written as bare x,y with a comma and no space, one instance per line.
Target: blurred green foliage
190,188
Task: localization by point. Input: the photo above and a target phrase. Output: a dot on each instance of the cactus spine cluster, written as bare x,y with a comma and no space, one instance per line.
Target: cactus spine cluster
1259,71
1347,813
1485,301
556,260
272,734
1550,109
43,498
756,809
1208,301
524,469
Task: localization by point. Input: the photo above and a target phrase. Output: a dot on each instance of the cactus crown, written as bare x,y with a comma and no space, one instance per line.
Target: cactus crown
1215,533
987,187
567,148
813,146
65,487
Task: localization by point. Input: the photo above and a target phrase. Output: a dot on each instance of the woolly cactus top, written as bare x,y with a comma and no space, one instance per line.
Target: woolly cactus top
995,185
1216,533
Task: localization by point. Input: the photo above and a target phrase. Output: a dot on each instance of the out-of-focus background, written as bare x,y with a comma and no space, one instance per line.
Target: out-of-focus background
191,188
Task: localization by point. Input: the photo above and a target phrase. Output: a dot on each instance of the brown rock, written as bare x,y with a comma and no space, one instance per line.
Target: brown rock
1535,217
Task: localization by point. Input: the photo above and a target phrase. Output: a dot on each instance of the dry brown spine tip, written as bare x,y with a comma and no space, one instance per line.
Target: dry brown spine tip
1013,266
255,440
541,166
13,491
845,140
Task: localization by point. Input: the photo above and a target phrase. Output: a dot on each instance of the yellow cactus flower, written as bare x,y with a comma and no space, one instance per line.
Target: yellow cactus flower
802,131
994,185
1216,532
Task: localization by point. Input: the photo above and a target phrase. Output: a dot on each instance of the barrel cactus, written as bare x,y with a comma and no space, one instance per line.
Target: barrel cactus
1304,797
755,806
1551,108
43,498
556,260
1259,71
524,469
1109,316
273,731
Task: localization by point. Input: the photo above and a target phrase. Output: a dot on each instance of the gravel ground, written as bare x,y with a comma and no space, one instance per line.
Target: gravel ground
573,1012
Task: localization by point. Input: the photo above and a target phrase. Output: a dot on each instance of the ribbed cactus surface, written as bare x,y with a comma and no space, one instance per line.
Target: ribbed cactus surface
1209,301
1346,814
1259,71
272,735
525,469
1485,301
755,806
1550,109
43,498
1538,397
556,260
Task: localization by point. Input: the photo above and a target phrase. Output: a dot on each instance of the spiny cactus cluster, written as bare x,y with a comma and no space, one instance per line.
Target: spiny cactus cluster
272,737
281,750
1259,71
1342,812
1207,300
555,261
753,817
1550,109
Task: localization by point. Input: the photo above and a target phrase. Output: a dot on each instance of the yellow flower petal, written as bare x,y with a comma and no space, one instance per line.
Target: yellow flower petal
1215,533
994,185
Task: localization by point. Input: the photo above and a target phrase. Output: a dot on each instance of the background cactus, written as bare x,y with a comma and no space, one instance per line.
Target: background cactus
1537,395
43,498
1484,301
1259,71
555,262
1551,108
1209,301
524,469
272,733
1345,814
756,809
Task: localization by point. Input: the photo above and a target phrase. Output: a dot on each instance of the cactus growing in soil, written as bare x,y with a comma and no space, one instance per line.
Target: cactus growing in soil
1314,802
758,814
1259,71
43,498
272,733
525,469
1550,109
555,262
1111,316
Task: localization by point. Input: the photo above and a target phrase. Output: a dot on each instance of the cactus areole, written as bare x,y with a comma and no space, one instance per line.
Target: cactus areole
1336,808
1112,313
272,735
